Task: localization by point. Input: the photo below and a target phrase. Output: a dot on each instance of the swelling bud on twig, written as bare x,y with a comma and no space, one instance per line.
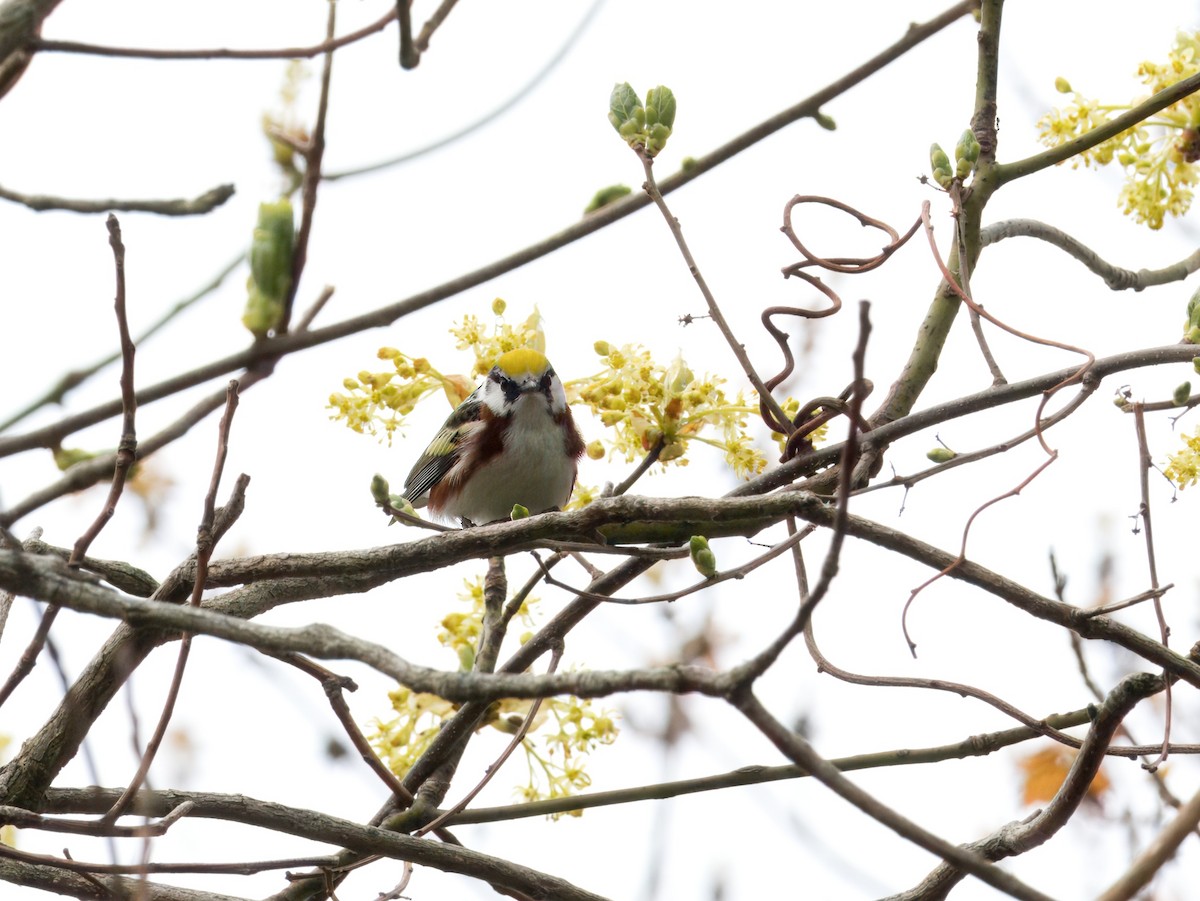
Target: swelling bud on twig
519,511
1191,331
379,489
939,163
605,196
941,455
966,152
66,457
1181,393
270,267
703,557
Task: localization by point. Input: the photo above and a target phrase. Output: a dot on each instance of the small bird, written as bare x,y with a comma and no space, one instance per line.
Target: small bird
513,441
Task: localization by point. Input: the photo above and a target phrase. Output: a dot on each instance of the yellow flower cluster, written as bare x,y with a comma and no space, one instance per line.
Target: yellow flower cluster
563,733
640,400
1158,154
644,402
381,400
558,771
1183,468
487,346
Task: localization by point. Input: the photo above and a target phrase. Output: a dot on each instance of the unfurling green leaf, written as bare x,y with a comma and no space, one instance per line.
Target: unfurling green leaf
623,103
662,100
647,127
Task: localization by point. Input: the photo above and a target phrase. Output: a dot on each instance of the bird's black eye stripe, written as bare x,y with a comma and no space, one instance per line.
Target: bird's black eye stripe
544,384
511,390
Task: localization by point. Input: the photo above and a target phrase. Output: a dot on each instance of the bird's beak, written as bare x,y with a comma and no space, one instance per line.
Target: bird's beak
529,385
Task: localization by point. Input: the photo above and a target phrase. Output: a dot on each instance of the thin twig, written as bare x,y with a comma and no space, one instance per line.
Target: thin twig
522,93
801,753
197,206
644,464
761,662
326,46
517,739
1155,855
1110,129
964,267
314,153
204,549
124,457
409,56
1145,463
127,446
57,393
434,22
739,572
311,313
739,350
89,472
1115,277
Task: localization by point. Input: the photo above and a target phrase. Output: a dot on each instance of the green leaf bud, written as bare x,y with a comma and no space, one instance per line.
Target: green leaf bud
966,152
1062,85
967,147
605,196
688,163
262,312
270,279
1196,364
939,163
657,139
66,457
1181,393
519,511
702,555
379,489
672,451
466,658
1193,310
271,248
941,455
825,121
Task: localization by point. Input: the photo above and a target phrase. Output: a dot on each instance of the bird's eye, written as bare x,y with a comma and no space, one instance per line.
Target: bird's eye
546,381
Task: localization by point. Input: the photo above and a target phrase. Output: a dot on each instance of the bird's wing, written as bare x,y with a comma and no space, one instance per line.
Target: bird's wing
442,451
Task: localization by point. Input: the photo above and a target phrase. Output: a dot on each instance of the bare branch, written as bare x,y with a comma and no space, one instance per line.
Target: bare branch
198,206
1115,277
326,46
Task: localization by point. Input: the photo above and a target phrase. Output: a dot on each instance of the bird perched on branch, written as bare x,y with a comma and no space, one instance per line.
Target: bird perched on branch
513,441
